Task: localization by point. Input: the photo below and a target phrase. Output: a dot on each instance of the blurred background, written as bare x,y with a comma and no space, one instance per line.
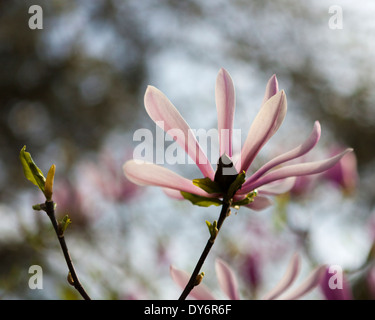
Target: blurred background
72,92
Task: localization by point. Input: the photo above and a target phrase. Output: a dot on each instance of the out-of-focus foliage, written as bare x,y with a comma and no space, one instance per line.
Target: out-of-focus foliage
71,82
68,87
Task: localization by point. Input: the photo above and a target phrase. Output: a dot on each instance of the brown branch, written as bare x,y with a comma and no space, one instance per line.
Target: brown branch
192,282
49,208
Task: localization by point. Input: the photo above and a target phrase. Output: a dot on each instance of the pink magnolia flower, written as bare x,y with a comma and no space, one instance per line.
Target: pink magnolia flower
270,179
229,285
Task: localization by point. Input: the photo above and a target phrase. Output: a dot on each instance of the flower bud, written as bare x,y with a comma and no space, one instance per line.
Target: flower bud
48,187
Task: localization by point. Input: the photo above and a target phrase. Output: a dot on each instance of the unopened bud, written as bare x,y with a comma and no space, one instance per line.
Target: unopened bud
63,224
48,188
212,228
38,207
70,279
199,279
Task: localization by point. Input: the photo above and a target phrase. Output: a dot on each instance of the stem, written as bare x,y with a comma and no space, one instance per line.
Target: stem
191,284
50,210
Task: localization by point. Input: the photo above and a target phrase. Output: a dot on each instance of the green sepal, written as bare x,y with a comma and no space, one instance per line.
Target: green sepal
212,228
207,185
31,171
236,185
249,199
38,207
63,224
201,201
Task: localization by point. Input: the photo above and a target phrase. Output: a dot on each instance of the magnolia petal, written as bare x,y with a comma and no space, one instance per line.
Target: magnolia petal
259,203
266,123
175,194
312,281
287,280
297,152
147,173
166,116
277,187
225,105
181,278
296,170
227,280
271,89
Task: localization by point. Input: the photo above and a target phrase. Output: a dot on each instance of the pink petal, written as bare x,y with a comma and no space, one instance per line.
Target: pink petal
181,278
277,187
259,203
151,174
290,155
166,116
225,105
175,194
266,123
227,280
271,89
312,281
296,170
287,280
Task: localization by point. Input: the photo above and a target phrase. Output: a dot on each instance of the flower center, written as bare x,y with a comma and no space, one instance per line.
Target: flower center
226,173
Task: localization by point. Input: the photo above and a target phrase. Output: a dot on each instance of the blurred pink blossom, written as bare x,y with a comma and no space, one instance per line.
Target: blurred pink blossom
107,177
229,285
344,173
251,270
70,200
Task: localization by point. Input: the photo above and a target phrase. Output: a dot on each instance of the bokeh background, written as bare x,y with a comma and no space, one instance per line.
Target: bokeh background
72,92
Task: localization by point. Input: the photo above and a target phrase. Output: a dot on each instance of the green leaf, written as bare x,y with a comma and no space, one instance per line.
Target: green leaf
201,201
249,199
207,185
236,185
31,171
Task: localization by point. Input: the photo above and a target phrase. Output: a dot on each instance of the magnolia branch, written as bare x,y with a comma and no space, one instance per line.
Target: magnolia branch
49,208
193,279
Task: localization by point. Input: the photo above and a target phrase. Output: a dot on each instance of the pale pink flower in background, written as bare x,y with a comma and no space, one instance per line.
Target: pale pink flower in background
70,200
344,173
229,285
251,271
107,177
271,179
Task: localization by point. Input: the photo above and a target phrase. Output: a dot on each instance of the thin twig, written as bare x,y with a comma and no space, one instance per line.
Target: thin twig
192,282
50,210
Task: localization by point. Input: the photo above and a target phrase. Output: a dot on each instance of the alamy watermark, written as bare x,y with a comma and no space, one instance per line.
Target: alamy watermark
36,20
178,142
36,280
336,20
336,280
